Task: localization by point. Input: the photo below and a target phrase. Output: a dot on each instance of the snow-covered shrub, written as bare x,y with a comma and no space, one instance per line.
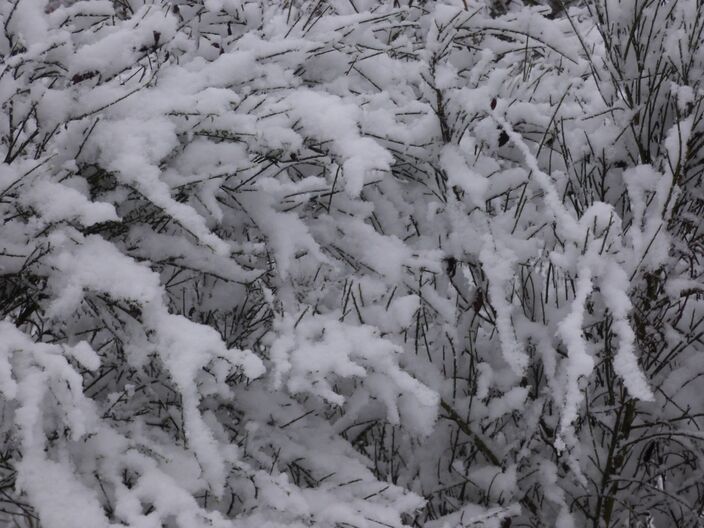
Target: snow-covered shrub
351,263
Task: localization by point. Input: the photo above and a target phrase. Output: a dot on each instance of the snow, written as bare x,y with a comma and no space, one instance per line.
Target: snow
123,42
97,265
328,118
28,23
57,202
619,304
57,505
133,149
460,174
498,263
353,262
580,362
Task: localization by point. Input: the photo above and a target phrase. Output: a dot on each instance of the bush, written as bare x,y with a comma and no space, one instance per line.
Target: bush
351,263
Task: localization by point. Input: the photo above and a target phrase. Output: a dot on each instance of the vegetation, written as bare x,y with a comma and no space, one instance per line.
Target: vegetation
351,263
